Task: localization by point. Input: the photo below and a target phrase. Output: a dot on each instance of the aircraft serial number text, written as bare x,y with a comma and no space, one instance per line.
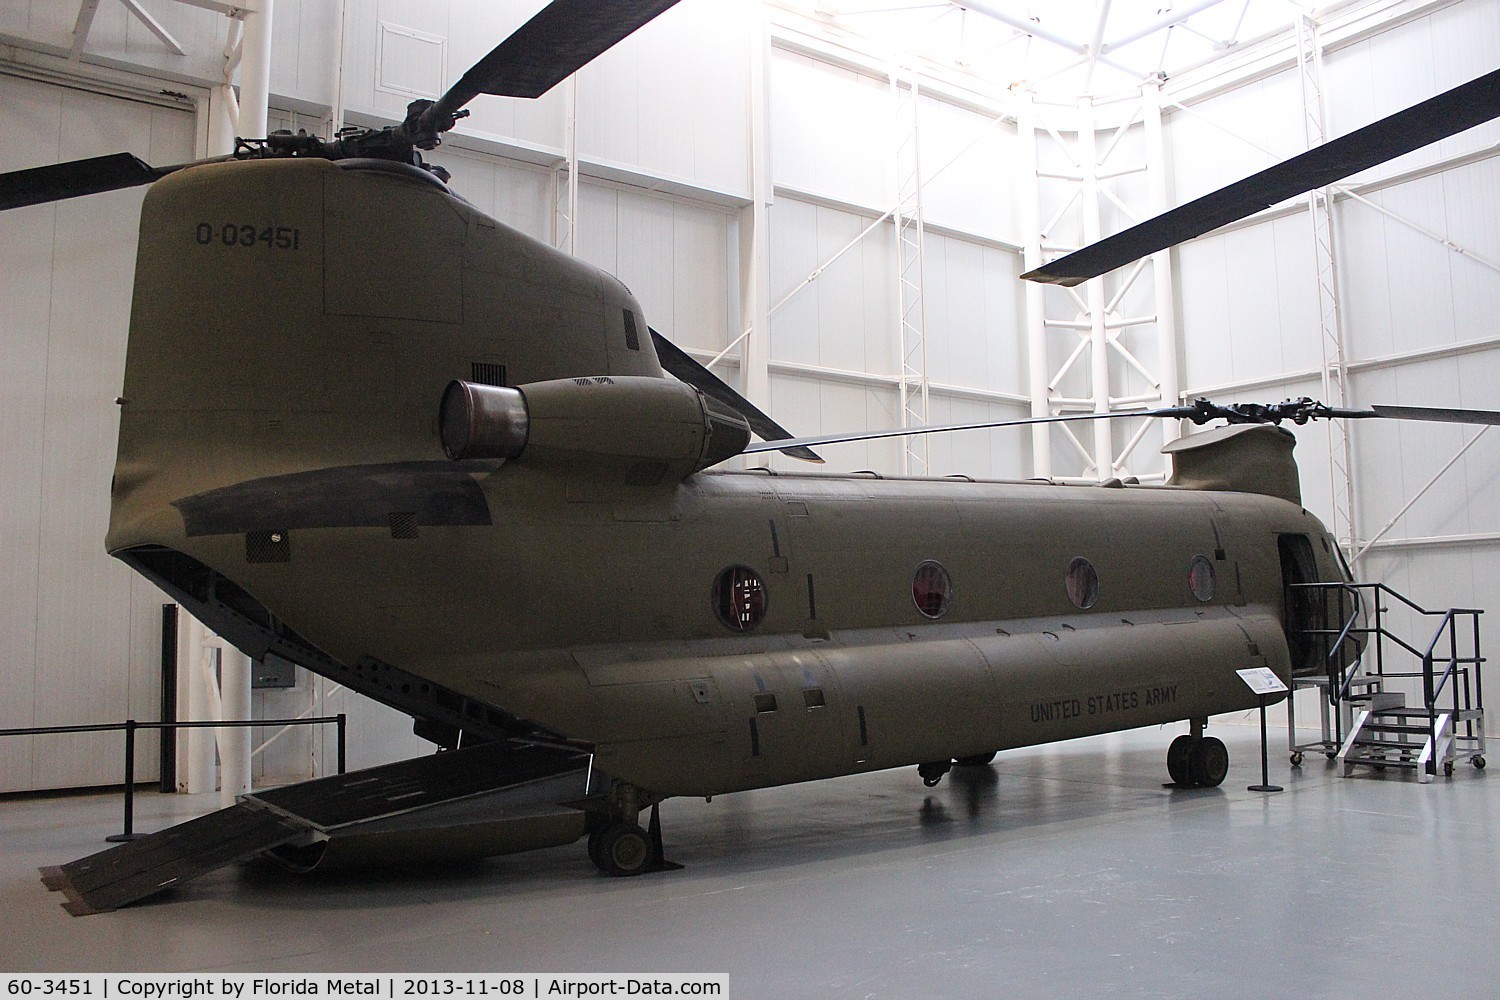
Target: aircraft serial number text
244,234
49,987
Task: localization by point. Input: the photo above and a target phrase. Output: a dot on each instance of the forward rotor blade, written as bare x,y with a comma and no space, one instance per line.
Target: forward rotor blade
682,365
57,181
1172,411
1440,414
562,38
1447,114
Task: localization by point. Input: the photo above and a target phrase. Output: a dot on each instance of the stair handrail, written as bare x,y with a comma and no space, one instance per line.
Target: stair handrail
1333,662
1432,685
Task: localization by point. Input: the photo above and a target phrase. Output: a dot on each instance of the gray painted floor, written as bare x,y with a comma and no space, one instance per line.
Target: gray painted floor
1058,871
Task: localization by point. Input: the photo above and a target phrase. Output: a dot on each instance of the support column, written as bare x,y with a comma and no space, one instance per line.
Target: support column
234,744
340,59
1104,441
255,70
1161,261
565,176
1335,389
911,307
1036,314
199,700
754,230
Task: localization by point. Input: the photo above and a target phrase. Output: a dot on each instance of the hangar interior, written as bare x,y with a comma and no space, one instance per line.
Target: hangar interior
829,203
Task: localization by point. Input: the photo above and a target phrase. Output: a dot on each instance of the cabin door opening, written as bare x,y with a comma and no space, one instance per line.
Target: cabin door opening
1305,611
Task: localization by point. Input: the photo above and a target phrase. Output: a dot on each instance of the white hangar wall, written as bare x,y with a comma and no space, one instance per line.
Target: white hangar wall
672,154
1417,241
79,631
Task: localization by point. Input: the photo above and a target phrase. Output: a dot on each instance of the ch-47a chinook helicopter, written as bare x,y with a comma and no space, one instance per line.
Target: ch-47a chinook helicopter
456,470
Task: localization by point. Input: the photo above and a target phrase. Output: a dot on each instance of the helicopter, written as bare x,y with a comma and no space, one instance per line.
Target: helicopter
462,475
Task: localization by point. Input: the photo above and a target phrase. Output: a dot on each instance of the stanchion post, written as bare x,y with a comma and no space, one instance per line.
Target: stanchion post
1265,762
343,726
129,831
1263,682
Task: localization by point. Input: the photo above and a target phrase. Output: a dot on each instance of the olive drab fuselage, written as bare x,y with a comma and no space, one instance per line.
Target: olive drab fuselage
281,470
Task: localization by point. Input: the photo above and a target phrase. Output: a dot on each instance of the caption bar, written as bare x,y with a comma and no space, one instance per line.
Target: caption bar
256,986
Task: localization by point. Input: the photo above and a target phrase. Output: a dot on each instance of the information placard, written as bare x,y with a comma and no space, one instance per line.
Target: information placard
1262,680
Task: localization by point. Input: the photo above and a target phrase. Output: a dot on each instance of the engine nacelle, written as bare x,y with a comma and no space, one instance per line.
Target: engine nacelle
646,428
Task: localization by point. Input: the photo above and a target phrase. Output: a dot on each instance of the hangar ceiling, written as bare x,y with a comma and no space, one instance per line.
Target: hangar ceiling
1065,47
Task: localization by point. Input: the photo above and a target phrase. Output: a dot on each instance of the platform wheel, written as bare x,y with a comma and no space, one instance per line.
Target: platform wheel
1479,763
1297,758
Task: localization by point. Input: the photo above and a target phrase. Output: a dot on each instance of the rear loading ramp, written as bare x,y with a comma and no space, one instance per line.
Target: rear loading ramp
492,798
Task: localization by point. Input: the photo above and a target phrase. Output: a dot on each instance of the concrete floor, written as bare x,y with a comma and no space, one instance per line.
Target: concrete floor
1058,871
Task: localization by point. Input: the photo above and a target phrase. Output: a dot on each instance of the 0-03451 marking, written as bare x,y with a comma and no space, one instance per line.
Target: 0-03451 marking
245,234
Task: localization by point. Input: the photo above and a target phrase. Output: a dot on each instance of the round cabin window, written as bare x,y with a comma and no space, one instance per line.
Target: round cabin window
1082,581
1201,578
739,598
932,589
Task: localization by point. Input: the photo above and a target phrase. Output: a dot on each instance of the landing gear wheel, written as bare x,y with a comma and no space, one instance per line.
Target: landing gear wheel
622,849
1479,763
1177,760
978,760
933,773
1297,758
1208,764
593,842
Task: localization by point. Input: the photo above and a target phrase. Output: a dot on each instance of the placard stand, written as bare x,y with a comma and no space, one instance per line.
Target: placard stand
1264,682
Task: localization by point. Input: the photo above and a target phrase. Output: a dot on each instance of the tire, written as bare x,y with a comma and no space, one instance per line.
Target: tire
624,849
978,760
594,837
1177,760
1208,764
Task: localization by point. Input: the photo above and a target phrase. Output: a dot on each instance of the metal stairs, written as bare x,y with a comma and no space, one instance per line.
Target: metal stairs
1367,722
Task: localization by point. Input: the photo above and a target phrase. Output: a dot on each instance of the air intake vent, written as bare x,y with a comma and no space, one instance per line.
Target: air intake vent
267,546
487,373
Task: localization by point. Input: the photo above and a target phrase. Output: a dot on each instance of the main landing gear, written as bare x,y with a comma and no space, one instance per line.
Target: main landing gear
619,846
1197,761
933,771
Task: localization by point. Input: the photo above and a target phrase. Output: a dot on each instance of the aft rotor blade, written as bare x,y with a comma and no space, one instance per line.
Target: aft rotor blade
1440,414
1172,411
681,364
1447,114
563,37
57,181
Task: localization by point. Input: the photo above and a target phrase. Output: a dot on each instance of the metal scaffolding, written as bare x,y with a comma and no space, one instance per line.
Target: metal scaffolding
1330,324
1104,327
910,307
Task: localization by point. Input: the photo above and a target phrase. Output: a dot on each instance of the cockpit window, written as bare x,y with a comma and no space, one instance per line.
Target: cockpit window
632,338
